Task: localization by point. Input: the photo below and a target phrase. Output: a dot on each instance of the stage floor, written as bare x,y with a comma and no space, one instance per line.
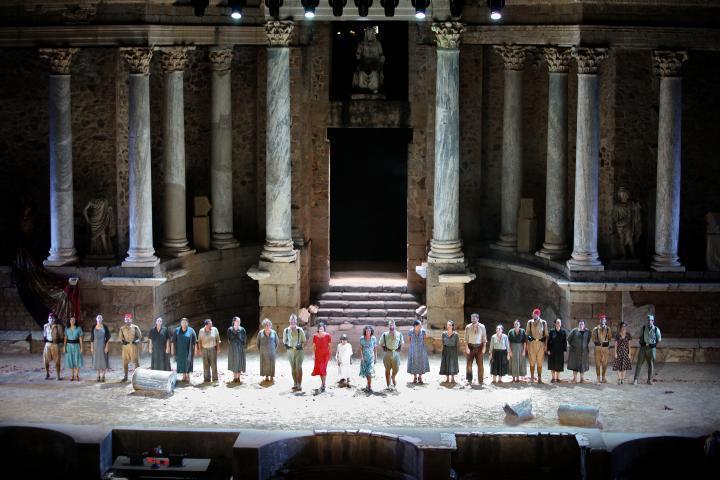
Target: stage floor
681,401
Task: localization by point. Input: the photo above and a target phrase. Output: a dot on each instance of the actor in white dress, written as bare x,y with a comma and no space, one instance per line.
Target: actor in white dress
342,356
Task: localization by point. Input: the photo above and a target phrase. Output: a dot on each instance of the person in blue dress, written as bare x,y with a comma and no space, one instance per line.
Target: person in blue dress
368,356
74,348
418,362
184,348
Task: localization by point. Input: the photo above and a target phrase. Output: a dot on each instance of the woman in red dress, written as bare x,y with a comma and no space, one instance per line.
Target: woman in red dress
321,347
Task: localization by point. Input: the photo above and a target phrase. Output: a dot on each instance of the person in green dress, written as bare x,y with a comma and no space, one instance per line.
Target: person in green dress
267,343
368,356
73,348
183,347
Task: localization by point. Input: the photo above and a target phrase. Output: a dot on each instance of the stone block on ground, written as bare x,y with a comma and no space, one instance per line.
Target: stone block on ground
579,416
153,381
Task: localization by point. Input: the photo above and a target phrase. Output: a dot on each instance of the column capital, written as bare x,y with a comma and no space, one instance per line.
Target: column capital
513,56
59,59
557,59
668,63
589,59
221,58
448,34
279,32
138,59
174,59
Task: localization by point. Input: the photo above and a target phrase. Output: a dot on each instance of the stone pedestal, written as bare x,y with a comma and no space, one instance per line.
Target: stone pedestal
511,180
279,285
555,245
446,294
221,149
587,161
174,242
667,203
141,252
62,225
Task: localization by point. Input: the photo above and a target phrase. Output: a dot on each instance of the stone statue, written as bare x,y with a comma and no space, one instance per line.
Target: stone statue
99,216
626,223
369,75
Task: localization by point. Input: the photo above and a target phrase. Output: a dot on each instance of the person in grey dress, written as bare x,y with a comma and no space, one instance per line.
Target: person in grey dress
417,362
579,351
237,338
99,338
159,346
449,363
267,343
518,349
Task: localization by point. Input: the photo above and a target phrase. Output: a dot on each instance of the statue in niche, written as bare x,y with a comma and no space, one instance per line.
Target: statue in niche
369,77
626,224
99,216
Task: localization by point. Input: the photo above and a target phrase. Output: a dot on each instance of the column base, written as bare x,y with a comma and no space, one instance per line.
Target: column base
506,243
553,251
141,258
177,251
666,263
61,257
445,294
279,289
586,263
278,251
446,251
222,241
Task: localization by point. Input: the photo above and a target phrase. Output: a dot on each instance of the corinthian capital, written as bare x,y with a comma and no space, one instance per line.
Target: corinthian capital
448,34
513,56
58,58
668,63
589,59
557,59
174,59
221,58
279,32
138,59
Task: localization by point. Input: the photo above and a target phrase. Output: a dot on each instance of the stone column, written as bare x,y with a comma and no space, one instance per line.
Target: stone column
221,217
278,272
668,65
511,182
173,61
587,160
555,245
446,245
446,274
62,225
141,252
278,219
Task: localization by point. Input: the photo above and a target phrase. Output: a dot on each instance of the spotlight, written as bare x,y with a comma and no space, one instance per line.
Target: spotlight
199,6
495,7
310,6
274,7
420,8
389,6
236,8
337,7
363,7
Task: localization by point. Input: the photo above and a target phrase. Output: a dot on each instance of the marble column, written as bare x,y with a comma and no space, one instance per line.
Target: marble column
62,225
173,61
668,64
511,180
446,245
587,160
141,252
221,194
555,245
278,186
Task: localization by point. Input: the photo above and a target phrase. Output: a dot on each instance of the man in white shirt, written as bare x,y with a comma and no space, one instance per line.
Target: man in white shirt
209,346
475,340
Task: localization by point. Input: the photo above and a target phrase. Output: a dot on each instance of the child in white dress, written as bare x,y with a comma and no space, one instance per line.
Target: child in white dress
343,356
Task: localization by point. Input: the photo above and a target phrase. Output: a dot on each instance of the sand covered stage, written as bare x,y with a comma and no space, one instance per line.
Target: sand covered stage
677,403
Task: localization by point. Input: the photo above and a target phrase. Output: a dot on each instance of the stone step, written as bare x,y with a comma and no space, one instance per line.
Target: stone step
362,321
365,312
370,304
368,296
369,288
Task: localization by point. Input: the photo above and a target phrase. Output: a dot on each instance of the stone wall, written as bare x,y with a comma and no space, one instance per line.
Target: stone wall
13,314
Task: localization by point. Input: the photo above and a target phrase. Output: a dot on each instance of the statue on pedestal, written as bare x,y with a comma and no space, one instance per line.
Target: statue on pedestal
627,224
369,77
99,216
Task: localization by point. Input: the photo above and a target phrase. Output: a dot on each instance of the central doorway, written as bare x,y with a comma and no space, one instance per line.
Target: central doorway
368,199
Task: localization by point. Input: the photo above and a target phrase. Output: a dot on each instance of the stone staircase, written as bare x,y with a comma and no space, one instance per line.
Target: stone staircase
349,308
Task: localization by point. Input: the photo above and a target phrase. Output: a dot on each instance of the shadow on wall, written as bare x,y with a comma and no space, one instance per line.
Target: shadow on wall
658,457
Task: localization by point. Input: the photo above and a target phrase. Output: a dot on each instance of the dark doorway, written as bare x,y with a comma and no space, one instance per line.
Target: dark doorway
368,194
